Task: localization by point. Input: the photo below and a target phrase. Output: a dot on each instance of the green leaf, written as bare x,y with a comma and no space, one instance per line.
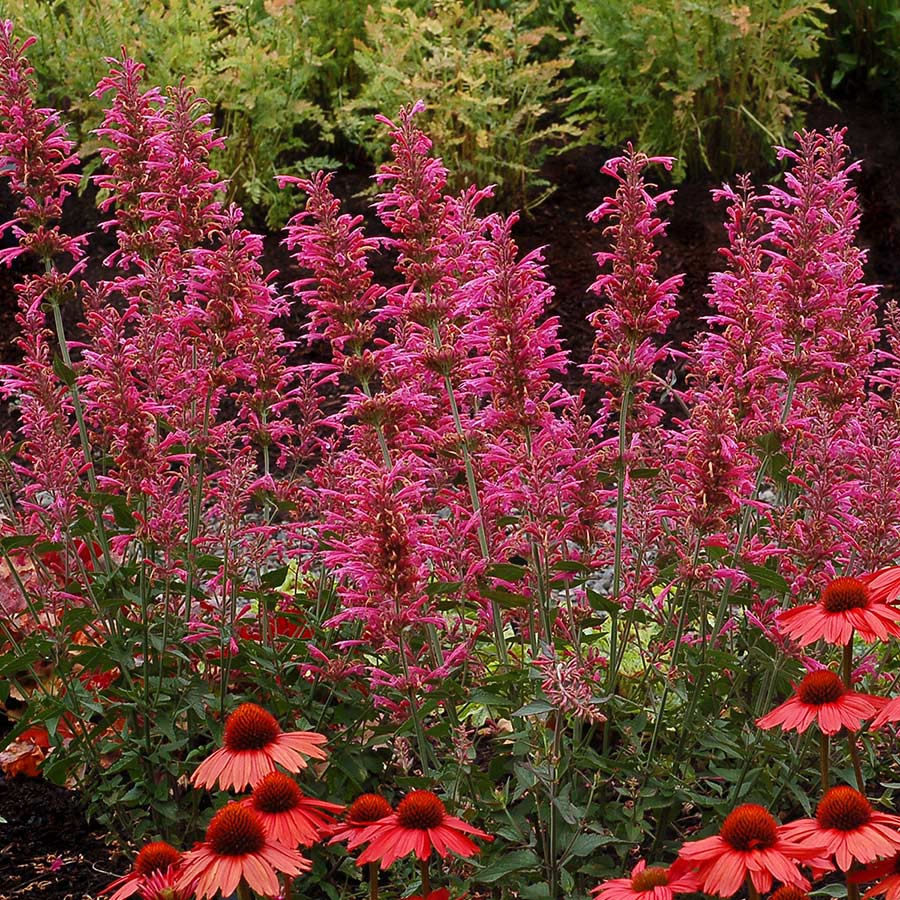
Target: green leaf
538,891
65,374
517,861
507,571
765,577
535,708
486,698
506,599
587,843
17,541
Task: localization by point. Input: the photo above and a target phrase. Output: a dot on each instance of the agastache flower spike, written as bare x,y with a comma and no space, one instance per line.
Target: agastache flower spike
638,307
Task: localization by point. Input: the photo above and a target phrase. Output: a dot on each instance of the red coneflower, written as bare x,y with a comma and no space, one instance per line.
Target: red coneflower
362,813
236,848
752,843
849,828
439,894
153,858
287,814
886,873
822,697
649,884
846,606
253,744
889,713
419,825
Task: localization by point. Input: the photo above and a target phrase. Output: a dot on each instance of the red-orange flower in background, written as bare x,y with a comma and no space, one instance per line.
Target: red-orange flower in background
287,814
822,698
439,894
886,873
649,884
849,828
419,825
752,843
236,848
789,892
158,858
363,812
253,744
846,606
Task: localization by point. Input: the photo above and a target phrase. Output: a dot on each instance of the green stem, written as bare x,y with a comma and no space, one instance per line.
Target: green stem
615,657
499,638
847,667
426,880
683,594
823,760
752,892
82,433
553,859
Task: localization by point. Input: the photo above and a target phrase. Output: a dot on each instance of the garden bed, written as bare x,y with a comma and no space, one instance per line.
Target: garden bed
48,850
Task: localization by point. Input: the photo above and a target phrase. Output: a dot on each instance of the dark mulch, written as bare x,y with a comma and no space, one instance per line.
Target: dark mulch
45,824
47,852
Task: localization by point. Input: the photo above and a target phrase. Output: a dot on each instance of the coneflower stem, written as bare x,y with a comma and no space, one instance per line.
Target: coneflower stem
851,737
854,758
373,881
426,881
243,891
823,760
852,889
287,892
752,892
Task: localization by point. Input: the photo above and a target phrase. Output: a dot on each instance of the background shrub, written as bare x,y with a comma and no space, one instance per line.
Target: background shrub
270,71
490,81
713,84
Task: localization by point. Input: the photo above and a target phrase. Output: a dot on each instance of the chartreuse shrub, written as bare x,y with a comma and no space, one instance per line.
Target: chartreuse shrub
589,627
491,82
715,84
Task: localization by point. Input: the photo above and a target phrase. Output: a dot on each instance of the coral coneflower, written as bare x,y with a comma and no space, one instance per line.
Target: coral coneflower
165,886
887,875
153,858
419,825
822,698
649,884
253,744
752,843
849,828
890,713
362,813
846,606
236,848
287,814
